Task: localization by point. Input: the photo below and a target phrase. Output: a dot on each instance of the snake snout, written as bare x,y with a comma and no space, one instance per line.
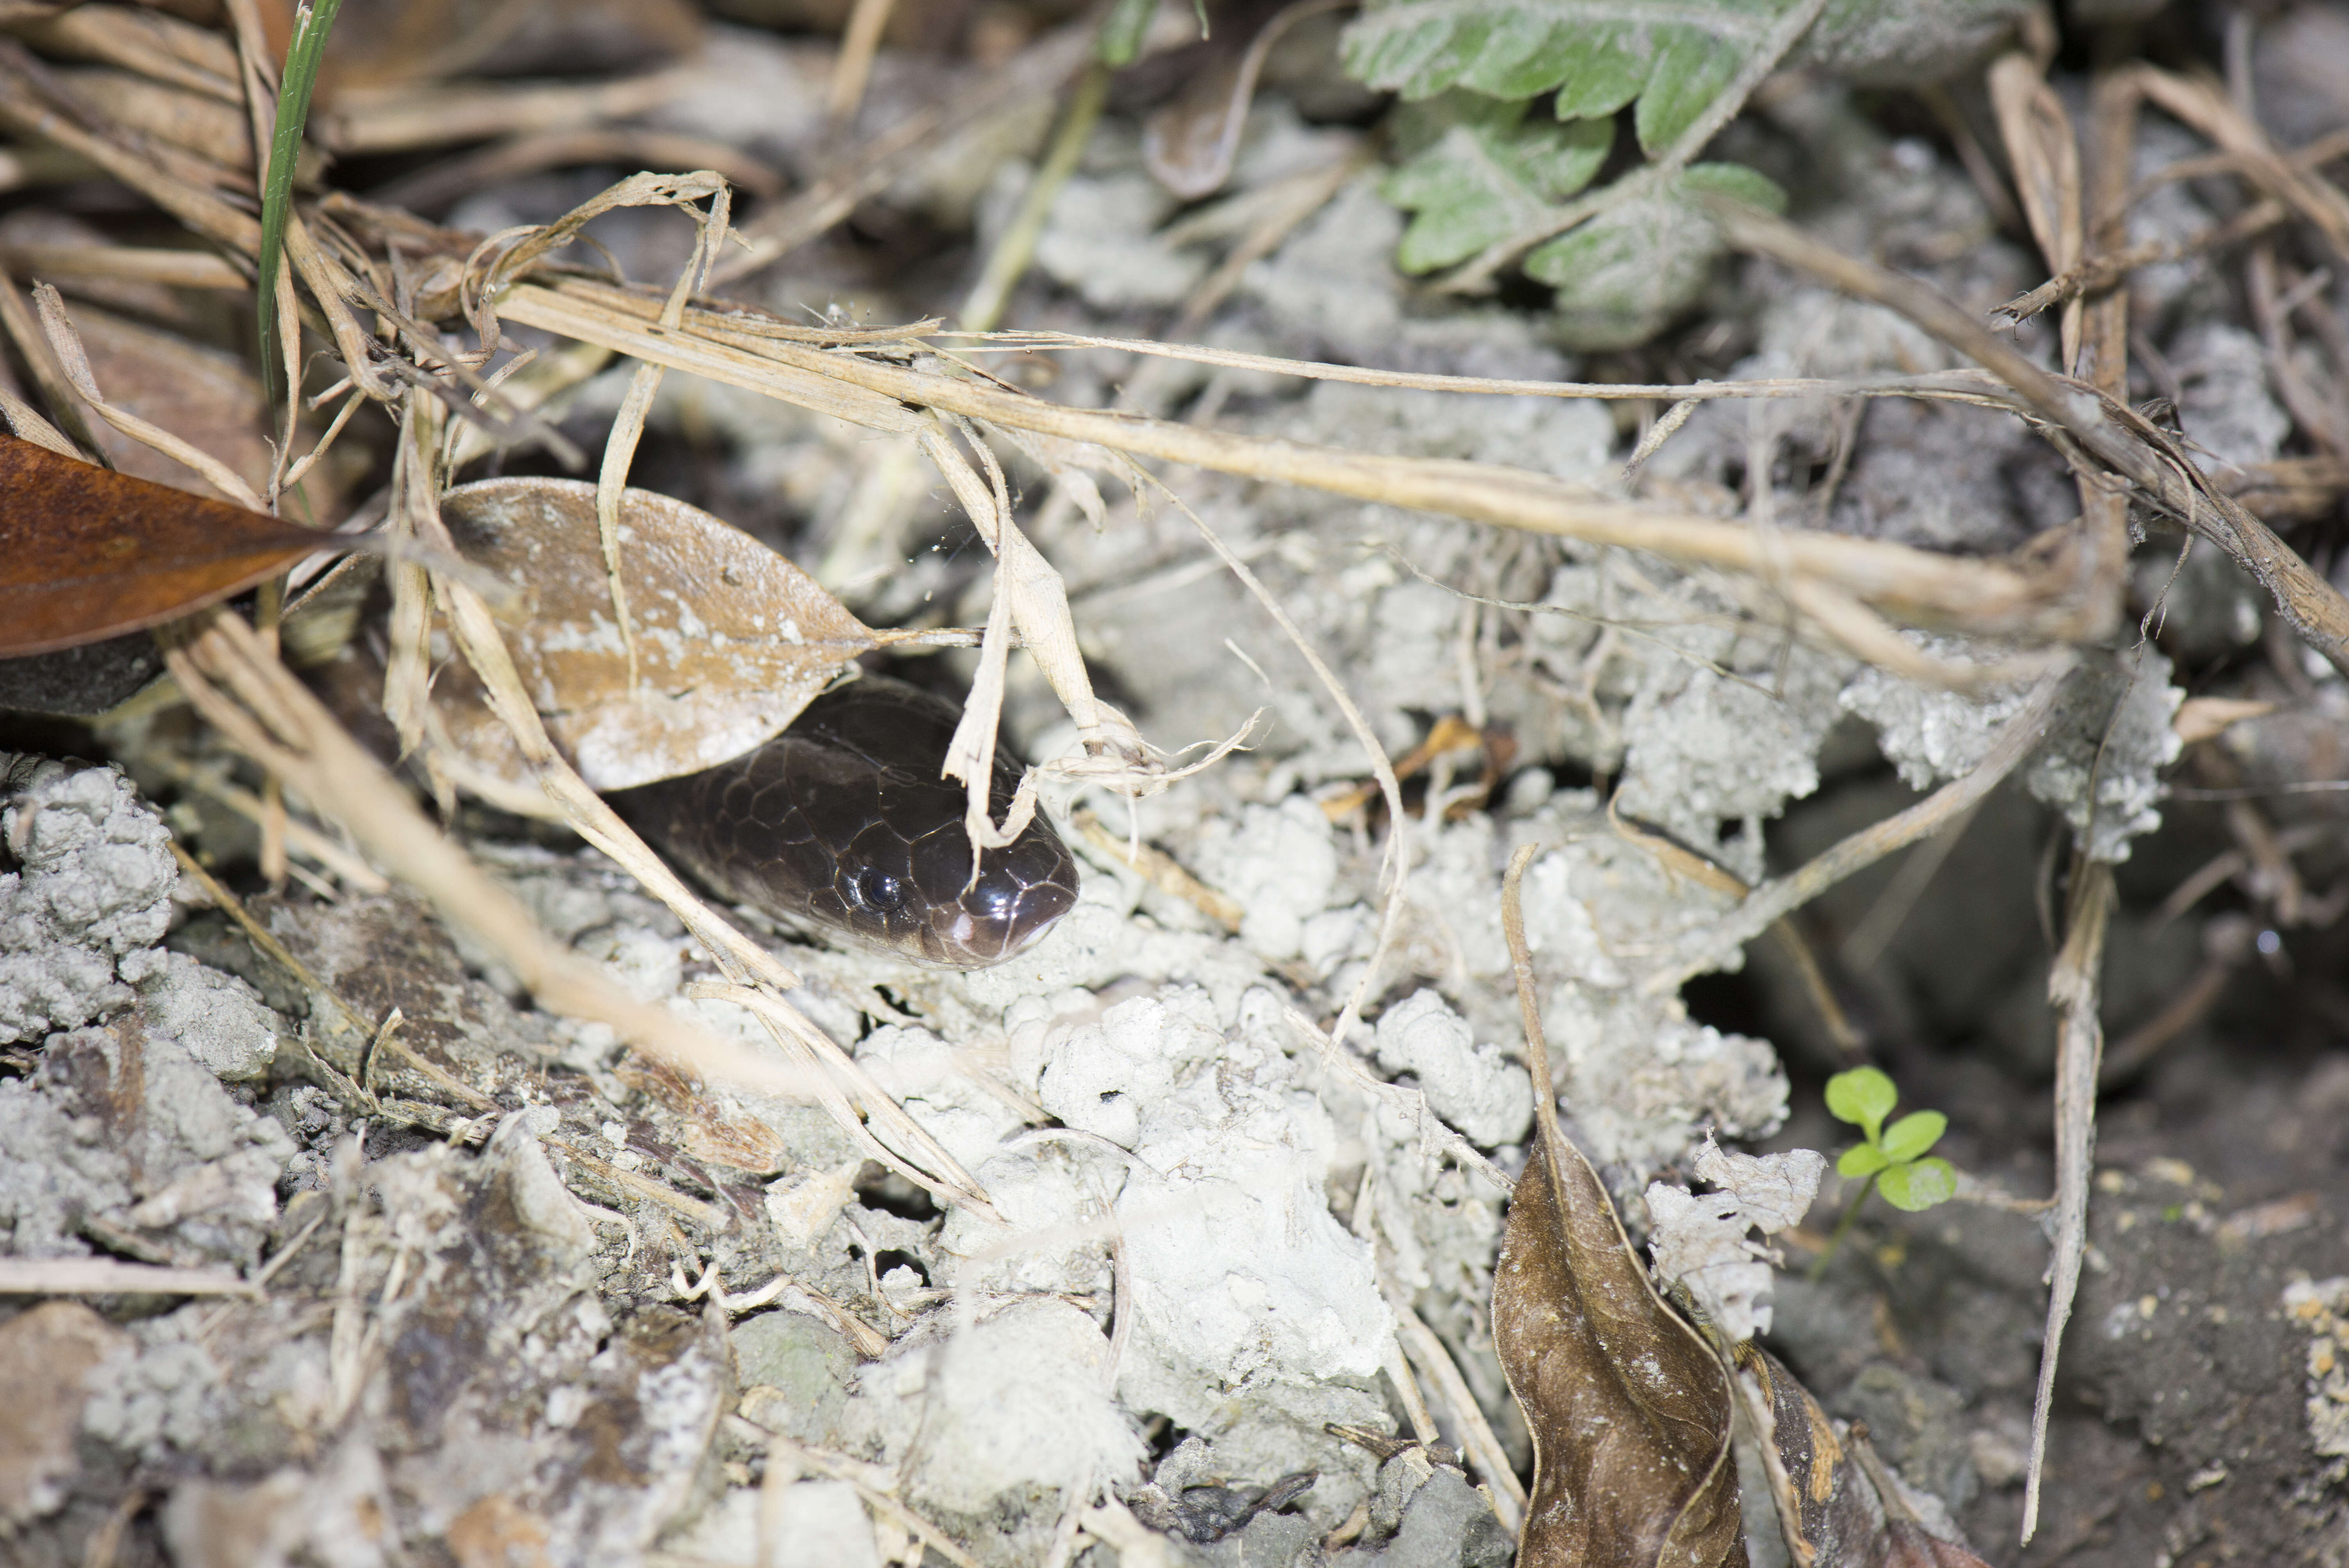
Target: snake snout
1020,889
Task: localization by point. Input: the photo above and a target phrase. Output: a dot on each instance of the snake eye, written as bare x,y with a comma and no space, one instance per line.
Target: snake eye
877,888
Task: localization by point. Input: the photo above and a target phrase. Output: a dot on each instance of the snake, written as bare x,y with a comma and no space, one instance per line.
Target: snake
842,824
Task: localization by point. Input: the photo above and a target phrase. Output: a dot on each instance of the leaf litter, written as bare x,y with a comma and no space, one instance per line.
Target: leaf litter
590,1232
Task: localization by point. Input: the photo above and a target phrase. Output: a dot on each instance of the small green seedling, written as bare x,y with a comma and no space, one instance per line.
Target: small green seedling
1895,1160
1895,1156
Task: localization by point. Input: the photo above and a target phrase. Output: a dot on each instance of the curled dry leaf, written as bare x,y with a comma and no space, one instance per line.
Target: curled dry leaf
87,553
1838,1504
1700,1243
1629,1409
732,640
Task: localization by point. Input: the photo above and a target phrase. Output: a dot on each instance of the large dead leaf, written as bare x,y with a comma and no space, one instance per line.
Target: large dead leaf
731,639
87,553
1629,1407
208,398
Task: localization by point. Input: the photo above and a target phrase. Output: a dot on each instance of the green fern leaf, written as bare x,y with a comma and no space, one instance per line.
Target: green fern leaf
1601,54
1624,275
1673,56
1481,174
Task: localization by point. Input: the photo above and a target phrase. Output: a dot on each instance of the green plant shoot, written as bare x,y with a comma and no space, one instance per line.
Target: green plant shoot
302,57
1895,1158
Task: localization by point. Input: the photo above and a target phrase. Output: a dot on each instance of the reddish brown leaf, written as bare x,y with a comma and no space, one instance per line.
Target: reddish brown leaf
1629,1409
87,553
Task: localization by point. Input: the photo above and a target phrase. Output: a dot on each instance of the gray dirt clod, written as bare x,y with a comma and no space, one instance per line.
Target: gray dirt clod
93,885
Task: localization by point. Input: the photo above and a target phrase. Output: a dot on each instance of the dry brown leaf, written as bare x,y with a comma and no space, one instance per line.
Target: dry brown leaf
1628,1406
733,640
2201,718
206,397
87,553
1827,1510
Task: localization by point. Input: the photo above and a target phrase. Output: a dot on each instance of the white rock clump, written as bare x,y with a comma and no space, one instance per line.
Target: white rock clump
1476,1088
94,885
1247,1296
221,1020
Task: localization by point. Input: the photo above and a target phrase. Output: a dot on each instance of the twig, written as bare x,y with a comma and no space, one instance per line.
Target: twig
1913,585
1477,1438
110,1276
1698,951
2075,986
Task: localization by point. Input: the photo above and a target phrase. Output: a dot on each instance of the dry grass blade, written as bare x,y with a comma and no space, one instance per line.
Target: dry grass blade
1971,384
234,682
67,345
1911,585
126,264
2208,109
37,105
404,118
2046,160
49,376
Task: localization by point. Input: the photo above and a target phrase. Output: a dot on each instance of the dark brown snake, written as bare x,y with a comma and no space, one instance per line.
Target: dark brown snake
842,822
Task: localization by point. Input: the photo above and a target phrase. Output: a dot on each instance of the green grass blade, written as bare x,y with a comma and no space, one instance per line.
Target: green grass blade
310,24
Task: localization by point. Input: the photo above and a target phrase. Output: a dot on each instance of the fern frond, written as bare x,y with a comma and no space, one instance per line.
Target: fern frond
1482,173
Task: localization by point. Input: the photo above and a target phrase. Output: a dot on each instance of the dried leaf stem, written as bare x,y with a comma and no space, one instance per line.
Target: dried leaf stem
2076,987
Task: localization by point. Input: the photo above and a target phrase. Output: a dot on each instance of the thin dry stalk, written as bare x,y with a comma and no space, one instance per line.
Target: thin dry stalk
852,68
1910,585
629,427
2046,161
2074,985
446,180
1435,1134
2096,272
1481,1445
405,118
110,1276
2208,109
1701,950
48,375
1007,264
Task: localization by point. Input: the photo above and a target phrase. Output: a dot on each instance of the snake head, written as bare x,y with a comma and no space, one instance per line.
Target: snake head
843,825
970,921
